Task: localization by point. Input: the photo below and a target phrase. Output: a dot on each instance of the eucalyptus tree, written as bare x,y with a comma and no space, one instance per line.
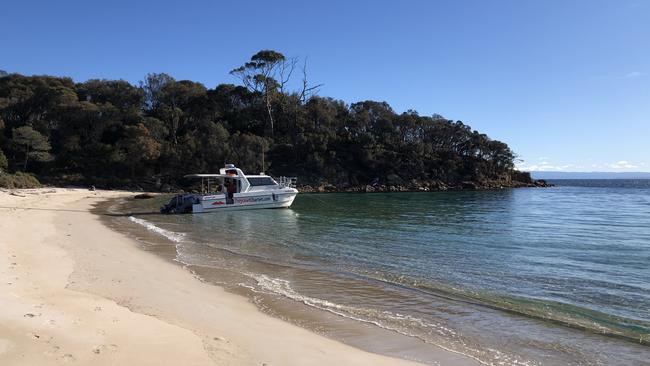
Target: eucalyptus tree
31,144
4,163
267,73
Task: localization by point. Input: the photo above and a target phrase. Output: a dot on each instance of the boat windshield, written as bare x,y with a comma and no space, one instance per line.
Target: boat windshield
260,181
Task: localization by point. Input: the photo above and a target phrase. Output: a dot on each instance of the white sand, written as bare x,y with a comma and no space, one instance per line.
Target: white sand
74,292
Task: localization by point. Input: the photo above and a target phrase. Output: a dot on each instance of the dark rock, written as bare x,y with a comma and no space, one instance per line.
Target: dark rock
417,185
542,183
326,187
469,185
523,177
306,189
143,196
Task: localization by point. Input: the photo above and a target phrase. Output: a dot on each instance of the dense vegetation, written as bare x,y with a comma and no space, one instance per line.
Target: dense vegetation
111,133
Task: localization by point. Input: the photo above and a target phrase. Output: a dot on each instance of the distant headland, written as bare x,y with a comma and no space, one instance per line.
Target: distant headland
589,175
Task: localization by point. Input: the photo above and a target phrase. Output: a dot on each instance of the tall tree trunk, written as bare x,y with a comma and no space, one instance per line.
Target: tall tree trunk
26,157
270,112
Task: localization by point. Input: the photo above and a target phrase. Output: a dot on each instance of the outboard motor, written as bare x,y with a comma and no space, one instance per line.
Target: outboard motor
179,204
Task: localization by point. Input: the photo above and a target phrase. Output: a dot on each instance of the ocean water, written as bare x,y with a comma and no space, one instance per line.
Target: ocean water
531,276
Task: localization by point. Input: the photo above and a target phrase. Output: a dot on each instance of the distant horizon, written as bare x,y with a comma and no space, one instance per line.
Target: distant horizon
588,175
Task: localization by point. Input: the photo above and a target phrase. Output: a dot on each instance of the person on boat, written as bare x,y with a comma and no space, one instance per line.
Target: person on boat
231,188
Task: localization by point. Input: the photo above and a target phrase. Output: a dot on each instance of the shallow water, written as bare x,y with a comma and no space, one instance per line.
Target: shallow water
557,276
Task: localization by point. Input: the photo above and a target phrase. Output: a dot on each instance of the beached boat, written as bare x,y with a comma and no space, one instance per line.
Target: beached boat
231,189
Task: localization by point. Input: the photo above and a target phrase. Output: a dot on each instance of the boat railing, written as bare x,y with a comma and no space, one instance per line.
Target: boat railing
285,182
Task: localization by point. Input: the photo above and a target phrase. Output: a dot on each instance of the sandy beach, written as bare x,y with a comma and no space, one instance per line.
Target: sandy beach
75,292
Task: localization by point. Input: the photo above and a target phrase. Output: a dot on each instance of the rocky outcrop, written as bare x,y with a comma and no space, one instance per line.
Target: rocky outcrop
391,183
425,186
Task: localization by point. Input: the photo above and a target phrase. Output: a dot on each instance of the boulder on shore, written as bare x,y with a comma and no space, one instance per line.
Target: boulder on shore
469,185
143,196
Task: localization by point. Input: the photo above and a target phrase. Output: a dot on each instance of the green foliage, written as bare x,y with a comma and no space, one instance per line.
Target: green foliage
112,132
266,74
18,180
31,144
4,163
138,147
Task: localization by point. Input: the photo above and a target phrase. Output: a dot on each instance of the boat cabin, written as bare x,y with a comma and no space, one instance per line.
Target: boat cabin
234,177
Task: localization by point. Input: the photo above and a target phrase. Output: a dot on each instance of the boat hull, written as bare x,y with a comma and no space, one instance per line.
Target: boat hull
247,201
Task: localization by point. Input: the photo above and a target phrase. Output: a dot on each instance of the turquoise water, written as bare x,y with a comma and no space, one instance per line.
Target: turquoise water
557,276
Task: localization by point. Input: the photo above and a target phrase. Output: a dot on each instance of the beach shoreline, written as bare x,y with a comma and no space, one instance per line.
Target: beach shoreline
77,291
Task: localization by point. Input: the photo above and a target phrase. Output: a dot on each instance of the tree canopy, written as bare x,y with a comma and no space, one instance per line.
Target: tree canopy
114,133
31,144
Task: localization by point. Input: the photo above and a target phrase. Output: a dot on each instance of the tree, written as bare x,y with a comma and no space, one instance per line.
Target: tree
307,90
139,147
267,72
3,162
31,144
3,159
249,151
119,93
153,86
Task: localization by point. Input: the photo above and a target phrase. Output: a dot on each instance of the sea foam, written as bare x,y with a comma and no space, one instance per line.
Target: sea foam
171,235
376,317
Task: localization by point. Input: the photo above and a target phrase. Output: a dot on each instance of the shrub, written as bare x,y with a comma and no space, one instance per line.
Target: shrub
18,180
3,162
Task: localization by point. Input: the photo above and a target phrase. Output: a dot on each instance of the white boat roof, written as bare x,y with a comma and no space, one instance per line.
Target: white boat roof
210,176
222,176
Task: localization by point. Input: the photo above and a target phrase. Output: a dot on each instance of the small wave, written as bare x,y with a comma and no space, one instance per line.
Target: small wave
561,313
399,323
173,236
282,287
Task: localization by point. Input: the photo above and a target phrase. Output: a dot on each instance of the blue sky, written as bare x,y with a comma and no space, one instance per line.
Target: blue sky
565,83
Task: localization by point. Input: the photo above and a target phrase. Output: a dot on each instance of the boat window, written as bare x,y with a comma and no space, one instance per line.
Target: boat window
261,181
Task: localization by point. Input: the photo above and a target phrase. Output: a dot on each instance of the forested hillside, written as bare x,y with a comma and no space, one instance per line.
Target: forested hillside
111,133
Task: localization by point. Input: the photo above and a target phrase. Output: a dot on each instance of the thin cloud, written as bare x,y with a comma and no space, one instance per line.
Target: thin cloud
634,5
635,74
543,166
623,164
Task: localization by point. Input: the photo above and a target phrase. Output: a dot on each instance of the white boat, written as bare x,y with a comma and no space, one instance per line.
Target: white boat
231,189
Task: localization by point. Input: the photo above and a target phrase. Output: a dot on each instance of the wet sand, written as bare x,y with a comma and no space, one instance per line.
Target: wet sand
74,291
